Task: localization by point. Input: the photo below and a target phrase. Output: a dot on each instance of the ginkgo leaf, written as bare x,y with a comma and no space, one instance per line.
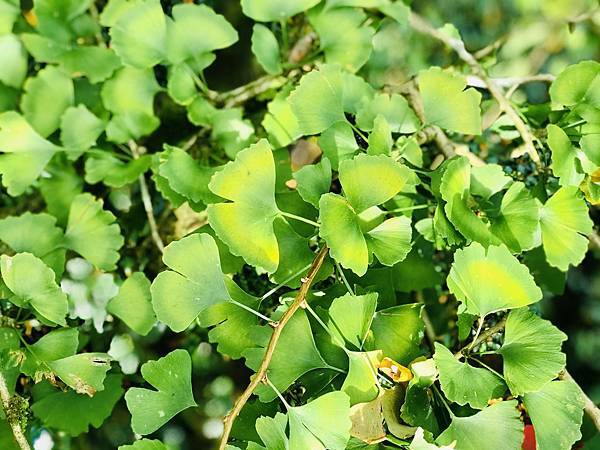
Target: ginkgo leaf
446,102
139,35
33,284
296,343
181,294
79,128
95,63
565,222
14,61
488,180
180,85
380,139
171,375
556,411
491,280
518,221
393,108
114,172
36,234
145,444
266,49
92,233
357,177
497,426
341,231
275,10
249,184
531,351
573,84
46,98
234,327
56,344
317,100
397,331
196,30
186,176
419,442
344,37
26,153
84,372
314,180
350,318
463,383
565,164
321,424
272,431
390,241
280,122
361,382
133,304
338,143
84,410
58,188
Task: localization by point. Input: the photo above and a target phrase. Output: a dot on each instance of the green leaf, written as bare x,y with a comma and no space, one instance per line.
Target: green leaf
14,61
280,122
295,355
390,241
80,128
61,185
145,444
171,376
317,100
357,177
272,431
186,176
26,153
463,383
488,180
33,284
343,37
182,294
249,184
181,86
47,96
36,234
96,63
341,231
266,49
518,221
275,10
419,442
9,11
133,304
93,233
565,222
314,180
447,104
556,411
380,139
573,85
361,382
195,31
83,410
394,109
565,164
56,344
129,95
321,424
497,426
398,331
531,352
114,172
139,35
490,280
234,327
350,318
338,143
84,372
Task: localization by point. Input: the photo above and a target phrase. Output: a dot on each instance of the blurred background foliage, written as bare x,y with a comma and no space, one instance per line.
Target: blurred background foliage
517,37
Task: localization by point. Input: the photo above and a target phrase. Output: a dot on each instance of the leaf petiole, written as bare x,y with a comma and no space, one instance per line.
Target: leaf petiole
299,218
250,310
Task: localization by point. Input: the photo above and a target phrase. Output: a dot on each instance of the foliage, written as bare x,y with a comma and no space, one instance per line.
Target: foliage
360,241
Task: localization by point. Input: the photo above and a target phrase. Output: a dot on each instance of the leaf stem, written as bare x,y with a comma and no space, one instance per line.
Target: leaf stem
360,133
408,208
343,277
13,421
443,400
250,310
272,386
283,283
479,327
299,218
272,345
486,366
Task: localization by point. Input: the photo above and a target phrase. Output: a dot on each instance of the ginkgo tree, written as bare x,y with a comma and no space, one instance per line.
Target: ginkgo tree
366,210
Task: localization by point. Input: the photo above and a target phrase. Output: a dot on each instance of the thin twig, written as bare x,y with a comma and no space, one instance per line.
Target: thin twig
147,202
420,25
482,337
270,350
13,421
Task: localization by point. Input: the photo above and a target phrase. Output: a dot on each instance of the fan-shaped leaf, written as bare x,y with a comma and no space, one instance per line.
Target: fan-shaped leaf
565,164
394,108
573,84
84,372
114,172
266,49
14,61
275,10
133,304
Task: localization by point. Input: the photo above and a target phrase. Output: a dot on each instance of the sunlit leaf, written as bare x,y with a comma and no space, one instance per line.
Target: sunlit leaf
133,304
14,61
275,10
266,49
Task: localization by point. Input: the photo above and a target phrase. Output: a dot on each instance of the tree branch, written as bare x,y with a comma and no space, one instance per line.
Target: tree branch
270,350
420,25
13,421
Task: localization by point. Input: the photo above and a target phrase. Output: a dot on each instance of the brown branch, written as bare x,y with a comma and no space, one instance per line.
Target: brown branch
270,350
485,334
420,25
13,421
